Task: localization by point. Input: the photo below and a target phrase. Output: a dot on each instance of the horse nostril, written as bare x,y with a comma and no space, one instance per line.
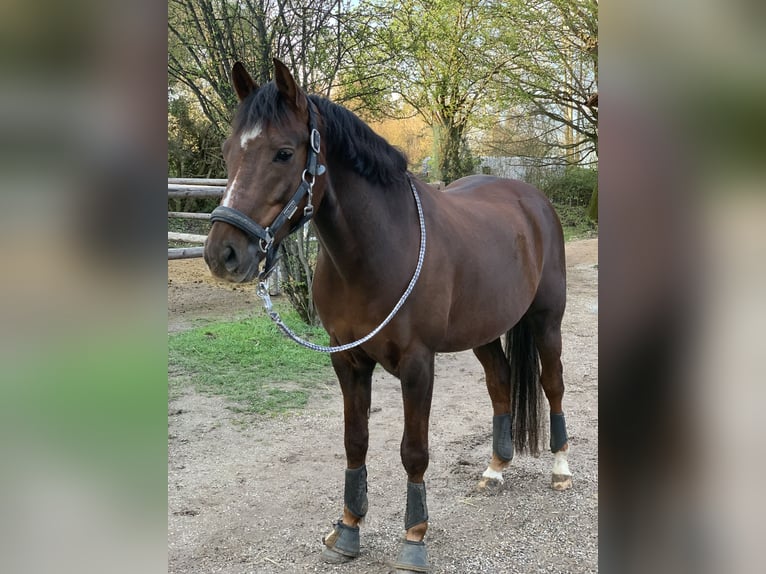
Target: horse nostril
230,258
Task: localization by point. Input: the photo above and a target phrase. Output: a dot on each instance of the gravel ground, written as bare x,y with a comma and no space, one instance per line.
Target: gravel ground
250,494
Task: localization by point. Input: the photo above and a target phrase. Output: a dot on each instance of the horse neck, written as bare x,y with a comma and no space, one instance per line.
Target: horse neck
363,227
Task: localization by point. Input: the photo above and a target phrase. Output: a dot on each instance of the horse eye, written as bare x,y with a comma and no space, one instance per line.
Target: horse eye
283,155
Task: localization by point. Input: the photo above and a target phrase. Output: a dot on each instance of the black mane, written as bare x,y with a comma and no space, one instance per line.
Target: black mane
353,143
346,140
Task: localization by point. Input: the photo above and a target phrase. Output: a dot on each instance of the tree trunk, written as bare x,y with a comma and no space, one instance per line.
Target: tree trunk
299,260
593,205
453,158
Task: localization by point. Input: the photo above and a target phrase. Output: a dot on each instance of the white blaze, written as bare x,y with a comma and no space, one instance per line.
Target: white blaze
231,192
228,196
250,134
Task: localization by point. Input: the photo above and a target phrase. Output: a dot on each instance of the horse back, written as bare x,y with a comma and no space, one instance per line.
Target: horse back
502,209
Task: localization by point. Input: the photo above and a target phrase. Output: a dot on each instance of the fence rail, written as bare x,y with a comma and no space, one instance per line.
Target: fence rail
200,191
195,181
186,237
191,187
188,215
185,252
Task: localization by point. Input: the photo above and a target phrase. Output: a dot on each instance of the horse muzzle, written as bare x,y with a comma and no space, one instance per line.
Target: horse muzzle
231,255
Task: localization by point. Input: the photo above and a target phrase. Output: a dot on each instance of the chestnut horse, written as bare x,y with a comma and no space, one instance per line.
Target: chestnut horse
493,266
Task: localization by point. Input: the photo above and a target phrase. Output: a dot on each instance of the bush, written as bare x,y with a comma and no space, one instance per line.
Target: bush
573,187
576,222
573,216
572,193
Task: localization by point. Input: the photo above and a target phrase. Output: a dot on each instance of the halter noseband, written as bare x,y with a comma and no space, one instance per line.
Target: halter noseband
265,235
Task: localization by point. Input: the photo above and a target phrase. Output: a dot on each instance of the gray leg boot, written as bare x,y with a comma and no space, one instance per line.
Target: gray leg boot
342,544
413,556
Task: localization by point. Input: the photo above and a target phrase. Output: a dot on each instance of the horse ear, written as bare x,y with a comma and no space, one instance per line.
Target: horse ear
288,88
242,82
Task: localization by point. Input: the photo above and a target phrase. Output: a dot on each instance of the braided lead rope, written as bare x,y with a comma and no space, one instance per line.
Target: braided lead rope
263,293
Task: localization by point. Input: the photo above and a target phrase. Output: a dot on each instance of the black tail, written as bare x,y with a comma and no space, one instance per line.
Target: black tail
526,392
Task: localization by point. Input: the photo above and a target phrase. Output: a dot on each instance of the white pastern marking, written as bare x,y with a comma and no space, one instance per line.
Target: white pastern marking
493,474
228,196
560,464
250,134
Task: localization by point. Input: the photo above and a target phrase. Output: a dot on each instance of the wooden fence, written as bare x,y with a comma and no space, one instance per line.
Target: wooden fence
197,188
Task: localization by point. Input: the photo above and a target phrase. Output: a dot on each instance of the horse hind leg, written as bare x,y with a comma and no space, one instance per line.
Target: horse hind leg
497,372
546,326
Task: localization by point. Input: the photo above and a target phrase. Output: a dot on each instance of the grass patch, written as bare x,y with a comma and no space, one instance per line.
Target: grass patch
251,362
575,232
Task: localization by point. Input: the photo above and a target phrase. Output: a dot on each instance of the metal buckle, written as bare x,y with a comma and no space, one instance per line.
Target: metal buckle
263,292
264,244
308,211
315,140
309,182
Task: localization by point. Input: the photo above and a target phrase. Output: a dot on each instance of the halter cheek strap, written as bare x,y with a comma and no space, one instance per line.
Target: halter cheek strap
266,235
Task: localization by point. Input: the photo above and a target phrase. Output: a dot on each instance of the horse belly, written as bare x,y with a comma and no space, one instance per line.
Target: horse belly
489,296
481,319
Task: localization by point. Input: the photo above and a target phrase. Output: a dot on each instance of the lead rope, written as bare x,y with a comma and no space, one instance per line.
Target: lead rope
263,293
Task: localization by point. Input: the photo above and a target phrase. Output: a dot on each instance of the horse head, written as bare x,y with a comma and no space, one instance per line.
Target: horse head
272,159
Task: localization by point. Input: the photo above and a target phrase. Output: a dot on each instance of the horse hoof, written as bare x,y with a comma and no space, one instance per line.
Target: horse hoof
413,557
331,557
489,485
342,544
561,482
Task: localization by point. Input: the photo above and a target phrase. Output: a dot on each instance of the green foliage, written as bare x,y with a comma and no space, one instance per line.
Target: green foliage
453,158
573,187
194,145
252,362
299,256
440,58
473,64
571,193
461,65
575,222
206,37
555,70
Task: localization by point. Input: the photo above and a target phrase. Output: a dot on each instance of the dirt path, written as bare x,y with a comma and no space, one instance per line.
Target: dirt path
250,494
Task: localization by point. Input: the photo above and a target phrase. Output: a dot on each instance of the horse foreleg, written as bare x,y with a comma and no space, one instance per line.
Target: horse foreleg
417,376
498,376
355,376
